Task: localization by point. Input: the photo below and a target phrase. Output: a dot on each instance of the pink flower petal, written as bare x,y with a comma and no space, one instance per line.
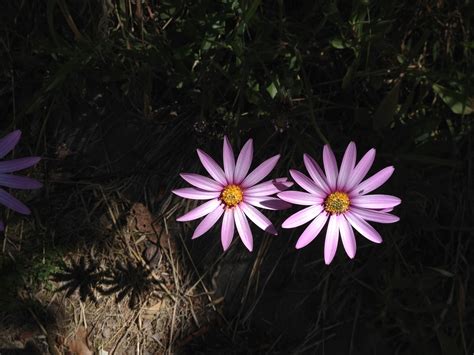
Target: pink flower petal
332,239
11,166
258,218
202,182
19,182
9,142
196,194
243,162
363,227
300,198
347,236
260,172
361,169
375,201
307,184
243,228
347,165
301,217
269,203
312,231
330,166
12,203
316,173
229,161
208,222
375,216
200,211
227,230
269,187
212,167
373,182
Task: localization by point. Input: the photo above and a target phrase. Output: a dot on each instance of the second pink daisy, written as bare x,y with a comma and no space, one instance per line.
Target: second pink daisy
340,197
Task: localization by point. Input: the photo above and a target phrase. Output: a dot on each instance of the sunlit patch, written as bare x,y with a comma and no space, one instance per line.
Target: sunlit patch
337,202
232,195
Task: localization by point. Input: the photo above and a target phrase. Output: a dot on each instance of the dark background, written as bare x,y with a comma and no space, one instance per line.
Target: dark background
116,95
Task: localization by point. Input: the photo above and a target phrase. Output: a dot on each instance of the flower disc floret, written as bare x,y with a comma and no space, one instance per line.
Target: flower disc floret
337,202
232,195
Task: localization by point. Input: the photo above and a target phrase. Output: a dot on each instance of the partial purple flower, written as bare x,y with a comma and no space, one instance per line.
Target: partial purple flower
7,144
340,196
233,194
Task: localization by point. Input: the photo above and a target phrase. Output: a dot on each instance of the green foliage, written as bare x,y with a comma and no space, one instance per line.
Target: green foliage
457,101
27,272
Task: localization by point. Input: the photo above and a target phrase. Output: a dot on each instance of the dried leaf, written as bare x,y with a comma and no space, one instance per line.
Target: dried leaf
77,345
151,312
141,218
166,242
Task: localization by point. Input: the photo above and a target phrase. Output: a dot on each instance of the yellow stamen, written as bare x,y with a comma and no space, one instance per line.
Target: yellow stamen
232,195
337,202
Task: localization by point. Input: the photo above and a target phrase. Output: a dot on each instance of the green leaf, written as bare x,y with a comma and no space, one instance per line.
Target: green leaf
387,108
272,90
338,43
457,101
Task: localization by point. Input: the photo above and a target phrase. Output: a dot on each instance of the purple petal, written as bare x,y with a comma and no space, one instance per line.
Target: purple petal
9,142
200,211
2,226
332,239
375,201
347,165
12,203
312,231
212,167
19,182
301,217
307,184
361,169
373,182
269,187
227,230
316,173
208,222
330,166
11,166
375,216
243,162
269,203
347,236
258,218
243,228
202,182
363,227
229,161
300,198
260,172
196,194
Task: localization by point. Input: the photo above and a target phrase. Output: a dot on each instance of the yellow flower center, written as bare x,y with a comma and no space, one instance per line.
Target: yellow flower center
232,195
337,202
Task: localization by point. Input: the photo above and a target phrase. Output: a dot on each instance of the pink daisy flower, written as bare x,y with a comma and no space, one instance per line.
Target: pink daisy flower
340,196
7,179
233,194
